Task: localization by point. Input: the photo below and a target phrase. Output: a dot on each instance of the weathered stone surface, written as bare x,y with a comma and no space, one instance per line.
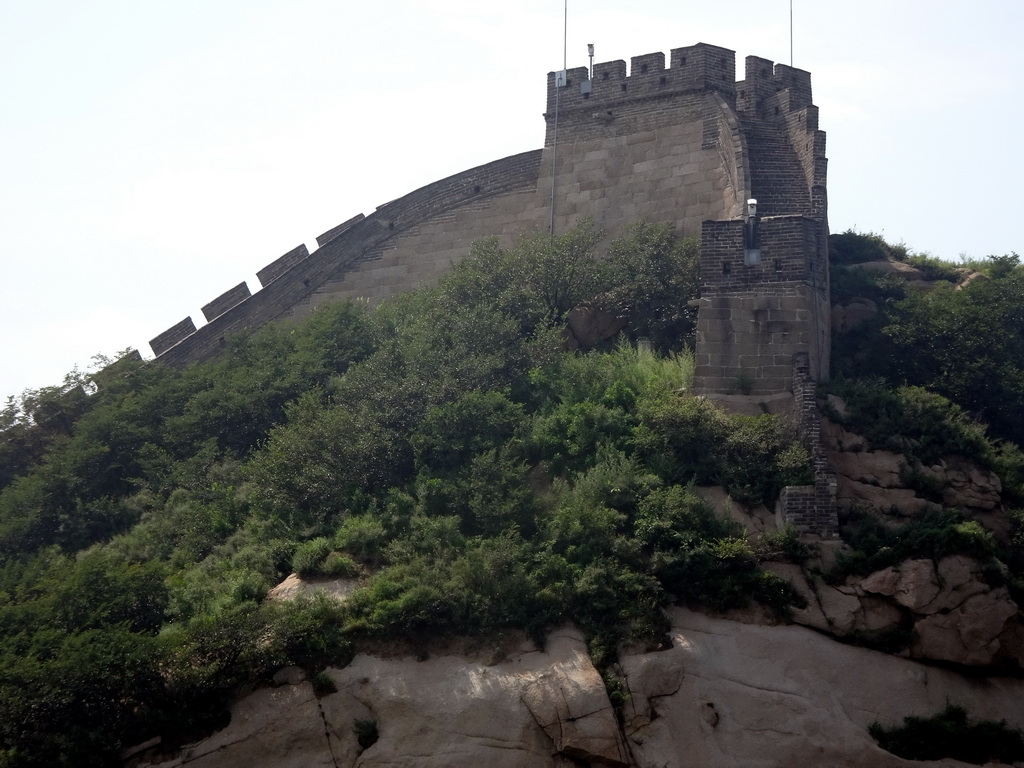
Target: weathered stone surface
295,585
280,727
902,500
896,268
881,468
834,437
724,695
589,326
965,485
969,634
955,614
846,317
536,709
911,584
772,696
571,705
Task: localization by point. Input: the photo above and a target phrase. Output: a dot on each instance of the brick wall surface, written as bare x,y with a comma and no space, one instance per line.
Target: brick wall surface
810,508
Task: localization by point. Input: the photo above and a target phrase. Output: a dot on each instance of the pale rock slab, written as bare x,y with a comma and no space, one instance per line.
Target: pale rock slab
725,695
903,500
754,696
294,586
969,634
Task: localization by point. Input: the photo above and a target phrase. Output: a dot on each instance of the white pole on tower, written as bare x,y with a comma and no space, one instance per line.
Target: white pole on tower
791,33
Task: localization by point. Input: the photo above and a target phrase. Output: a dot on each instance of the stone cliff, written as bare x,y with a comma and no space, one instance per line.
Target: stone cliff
741,690
724,694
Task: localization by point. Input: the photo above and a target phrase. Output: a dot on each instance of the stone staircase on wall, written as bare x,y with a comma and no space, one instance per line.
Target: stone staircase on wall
777,178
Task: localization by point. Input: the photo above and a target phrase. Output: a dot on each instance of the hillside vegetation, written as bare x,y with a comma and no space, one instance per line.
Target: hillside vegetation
443,449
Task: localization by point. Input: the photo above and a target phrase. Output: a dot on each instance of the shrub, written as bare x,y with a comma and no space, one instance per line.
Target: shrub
935,535
950,734
309,555
689,439
366,732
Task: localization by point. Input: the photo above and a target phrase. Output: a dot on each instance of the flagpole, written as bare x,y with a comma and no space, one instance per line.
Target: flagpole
790,32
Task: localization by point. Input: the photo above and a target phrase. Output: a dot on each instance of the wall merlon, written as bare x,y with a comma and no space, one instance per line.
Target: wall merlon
583,101
226,301
279,266
172,336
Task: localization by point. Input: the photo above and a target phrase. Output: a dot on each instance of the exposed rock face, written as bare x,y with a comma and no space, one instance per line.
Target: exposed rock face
587,326
877,477
295,585
846,317
725,695
897,268
954,614
536,709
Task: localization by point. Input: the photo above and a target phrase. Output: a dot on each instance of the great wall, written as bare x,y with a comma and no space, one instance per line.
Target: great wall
680,142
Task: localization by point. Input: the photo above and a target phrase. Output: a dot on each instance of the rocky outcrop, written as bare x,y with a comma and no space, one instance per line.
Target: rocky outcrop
588,326
878,478
846,317
295,586
725,694
536,708
946,611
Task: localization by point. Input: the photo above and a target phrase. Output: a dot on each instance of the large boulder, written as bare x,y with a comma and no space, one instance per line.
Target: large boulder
957,616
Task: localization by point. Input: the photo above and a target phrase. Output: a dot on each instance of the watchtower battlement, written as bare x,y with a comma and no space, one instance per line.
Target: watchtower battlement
763,79
582,101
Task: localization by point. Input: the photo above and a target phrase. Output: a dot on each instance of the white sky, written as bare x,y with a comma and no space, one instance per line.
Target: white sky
154,154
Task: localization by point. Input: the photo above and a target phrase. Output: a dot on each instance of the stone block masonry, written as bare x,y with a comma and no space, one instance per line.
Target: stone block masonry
810,508
753,318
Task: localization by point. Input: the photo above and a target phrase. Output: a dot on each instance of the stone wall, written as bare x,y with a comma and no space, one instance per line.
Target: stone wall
681,143
293,280
810,508
754,318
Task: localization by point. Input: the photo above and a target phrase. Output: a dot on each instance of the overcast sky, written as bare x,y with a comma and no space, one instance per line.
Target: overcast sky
155,154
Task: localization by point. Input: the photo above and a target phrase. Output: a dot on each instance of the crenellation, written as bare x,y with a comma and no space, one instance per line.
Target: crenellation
226,301
280,266
172,336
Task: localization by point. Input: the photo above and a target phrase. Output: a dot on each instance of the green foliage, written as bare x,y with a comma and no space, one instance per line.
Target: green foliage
366,732
310,555
690,439
652,276
441,447
875,546
921,424
852,247
950,734
538,280
965,344
962,341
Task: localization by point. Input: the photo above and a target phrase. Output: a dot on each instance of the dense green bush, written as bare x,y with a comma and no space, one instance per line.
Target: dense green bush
961,341
950,734
875,545
689,439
